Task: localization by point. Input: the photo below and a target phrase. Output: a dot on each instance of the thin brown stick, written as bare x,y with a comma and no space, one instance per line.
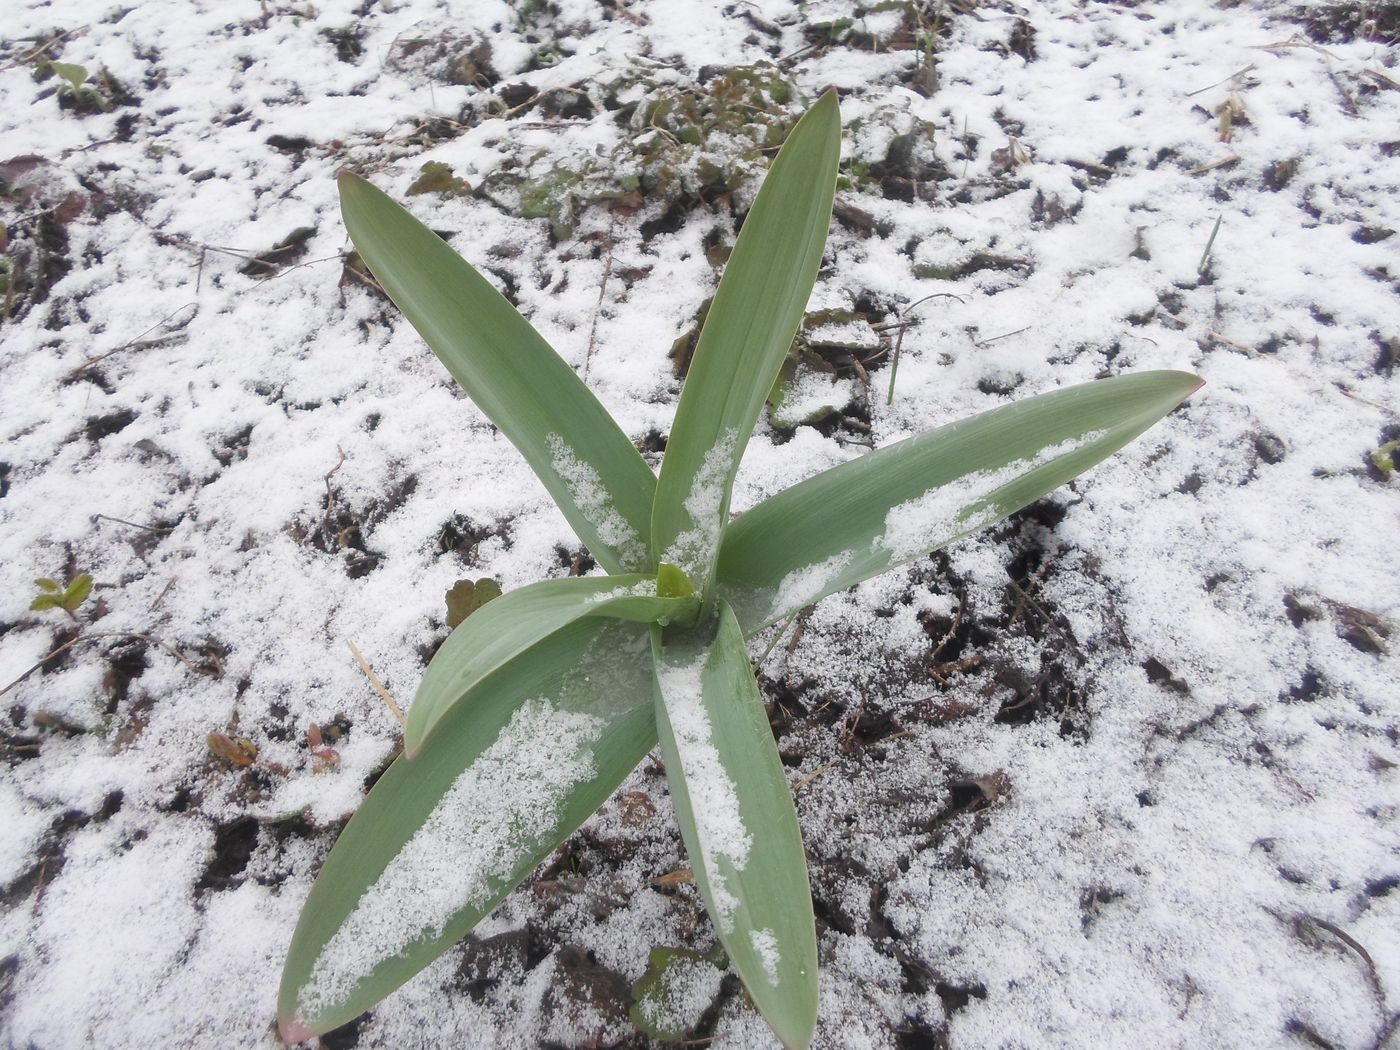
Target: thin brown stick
148,639
1233,158
1352,943
139,343
394,708
30,56
133,524
598,306
1247,69
1005,335
329,517
1224,341
808,778
39,894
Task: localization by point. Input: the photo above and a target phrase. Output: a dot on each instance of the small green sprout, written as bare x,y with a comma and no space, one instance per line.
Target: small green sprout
1384,459
53,595
541,702
75,75
77,89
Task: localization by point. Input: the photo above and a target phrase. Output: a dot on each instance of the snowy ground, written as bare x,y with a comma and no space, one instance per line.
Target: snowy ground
1121,771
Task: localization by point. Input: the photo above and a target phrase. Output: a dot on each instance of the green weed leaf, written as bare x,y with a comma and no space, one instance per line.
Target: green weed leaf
44,602
47,584
899,503
74,74
747,332
77,592
591,469
737,818
441,839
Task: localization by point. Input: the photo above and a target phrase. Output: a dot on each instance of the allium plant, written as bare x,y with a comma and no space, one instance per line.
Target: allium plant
542,701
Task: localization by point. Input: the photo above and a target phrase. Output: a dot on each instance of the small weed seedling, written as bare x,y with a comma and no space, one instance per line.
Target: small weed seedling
77,89
53,595
544,699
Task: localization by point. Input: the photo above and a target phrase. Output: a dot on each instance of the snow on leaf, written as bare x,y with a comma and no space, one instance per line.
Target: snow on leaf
714,802
766,945
962,505
591,496
503,805
694,547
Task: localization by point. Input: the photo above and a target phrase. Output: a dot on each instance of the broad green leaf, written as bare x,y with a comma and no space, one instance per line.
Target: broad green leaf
737,818
441,839
591,470
45,602
509,625
48,584
899,503
77,592
74,74
747,332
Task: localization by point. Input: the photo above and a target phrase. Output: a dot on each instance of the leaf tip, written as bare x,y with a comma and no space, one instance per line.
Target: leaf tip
292,1030
830,101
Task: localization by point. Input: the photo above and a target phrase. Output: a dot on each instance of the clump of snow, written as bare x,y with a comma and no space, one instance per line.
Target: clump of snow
591,496
642,589
714,802
504,804
962,505
693,548
766,945
801,586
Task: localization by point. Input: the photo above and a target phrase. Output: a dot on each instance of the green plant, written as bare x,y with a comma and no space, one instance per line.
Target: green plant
541,702
78,88
1384,459
53,595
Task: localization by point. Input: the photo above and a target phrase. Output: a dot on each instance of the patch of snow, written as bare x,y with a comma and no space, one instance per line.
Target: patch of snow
766,945
688,987
803,586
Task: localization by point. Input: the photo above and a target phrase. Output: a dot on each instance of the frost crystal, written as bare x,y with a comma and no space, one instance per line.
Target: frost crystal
766,945
591,496
948,511
693,548
504,805
714,802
